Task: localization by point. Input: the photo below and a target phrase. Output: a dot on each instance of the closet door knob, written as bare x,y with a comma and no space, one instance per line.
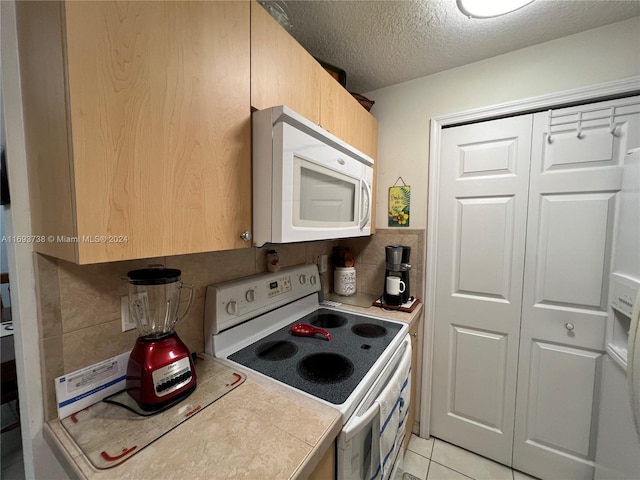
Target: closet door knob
569,326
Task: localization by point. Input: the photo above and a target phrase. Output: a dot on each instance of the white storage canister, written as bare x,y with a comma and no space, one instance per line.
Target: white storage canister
344,281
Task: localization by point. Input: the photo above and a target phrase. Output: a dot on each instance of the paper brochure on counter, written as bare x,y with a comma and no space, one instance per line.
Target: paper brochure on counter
82,388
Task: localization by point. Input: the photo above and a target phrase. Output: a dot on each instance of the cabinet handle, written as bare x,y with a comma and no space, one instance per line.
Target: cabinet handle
414,334
569,326
246,236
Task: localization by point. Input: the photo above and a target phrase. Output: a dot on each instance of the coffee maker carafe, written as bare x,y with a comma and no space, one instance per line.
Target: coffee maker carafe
160,372
396,279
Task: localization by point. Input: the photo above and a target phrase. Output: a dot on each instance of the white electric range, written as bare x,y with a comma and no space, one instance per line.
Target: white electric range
351,363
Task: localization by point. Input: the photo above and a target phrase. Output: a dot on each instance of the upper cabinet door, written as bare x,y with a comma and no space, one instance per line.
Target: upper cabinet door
157,125
342,115
159,101
282,72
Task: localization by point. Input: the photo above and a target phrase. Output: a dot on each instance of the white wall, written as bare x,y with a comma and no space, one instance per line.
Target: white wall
39,461
403,111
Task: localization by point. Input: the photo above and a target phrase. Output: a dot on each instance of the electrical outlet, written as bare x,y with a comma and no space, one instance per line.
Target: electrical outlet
322,263
124,314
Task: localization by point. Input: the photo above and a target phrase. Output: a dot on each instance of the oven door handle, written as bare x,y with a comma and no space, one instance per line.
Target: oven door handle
356,423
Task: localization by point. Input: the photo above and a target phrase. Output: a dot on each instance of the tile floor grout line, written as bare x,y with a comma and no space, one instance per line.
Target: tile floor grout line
453,469
430,452
417,453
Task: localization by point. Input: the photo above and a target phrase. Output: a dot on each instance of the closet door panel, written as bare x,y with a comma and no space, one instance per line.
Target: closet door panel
479,354
576,172
484,247
481,233
575,232
561,411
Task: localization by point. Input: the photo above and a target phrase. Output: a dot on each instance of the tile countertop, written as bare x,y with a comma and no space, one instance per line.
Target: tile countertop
408,318
258,430
261,429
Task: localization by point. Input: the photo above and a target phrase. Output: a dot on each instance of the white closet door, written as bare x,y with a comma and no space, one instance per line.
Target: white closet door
481,235
572,198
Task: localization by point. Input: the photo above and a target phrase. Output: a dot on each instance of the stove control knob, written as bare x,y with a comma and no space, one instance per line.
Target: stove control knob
232,307
312,280
250,295
303,279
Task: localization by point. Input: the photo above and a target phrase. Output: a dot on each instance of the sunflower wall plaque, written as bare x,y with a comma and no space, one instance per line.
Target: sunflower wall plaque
399,203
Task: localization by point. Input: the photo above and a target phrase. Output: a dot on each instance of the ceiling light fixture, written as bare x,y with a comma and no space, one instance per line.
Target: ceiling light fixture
490,8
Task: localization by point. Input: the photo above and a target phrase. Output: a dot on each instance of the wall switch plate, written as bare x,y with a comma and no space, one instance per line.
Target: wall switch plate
323,263
124,314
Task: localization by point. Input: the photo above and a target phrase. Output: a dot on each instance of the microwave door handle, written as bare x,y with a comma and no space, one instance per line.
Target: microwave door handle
367,215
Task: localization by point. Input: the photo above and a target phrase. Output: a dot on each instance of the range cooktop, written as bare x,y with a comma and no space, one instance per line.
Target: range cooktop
327,369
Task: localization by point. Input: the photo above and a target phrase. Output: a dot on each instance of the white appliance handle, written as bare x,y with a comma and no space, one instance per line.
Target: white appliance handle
367,215
356,423
633,363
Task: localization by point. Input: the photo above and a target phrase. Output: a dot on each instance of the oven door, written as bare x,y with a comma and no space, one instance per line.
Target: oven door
359,454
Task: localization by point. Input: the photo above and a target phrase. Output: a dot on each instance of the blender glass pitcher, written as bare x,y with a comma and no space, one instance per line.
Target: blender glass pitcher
154,298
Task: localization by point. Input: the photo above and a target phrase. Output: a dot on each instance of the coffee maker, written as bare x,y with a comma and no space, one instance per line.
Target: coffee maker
396,278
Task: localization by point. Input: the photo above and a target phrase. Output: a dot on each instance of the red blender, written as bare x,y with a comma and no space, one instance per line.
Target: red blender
160,372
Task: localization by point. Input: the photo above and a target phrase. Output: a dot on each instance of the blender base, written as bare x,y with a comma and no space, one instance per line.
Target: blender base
160,373
147,410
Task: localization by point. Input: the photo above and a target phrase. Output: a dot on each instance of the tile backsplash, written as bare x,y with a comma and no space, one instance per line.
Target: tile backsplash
79,305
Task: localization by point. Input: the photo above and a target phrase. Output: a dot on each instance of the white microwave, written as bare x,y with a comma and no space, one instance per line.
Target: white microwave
307,183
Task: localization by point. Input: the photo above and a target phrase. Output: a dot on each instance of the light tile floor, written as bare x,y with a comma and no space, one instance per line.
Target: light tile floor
435,459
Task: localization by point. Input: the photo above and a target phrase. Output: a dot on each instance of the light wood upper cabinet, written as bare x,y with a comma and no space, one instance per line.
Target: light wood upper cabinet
137,123
282,72
342,115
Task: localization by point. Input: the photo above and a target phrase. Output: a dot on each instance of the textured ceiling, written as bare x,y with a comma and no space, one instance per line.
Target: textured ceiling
381,43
